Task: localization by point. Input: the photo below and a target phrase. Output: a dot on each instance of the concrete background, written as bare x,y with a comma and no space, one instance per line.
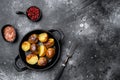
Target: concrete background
96,58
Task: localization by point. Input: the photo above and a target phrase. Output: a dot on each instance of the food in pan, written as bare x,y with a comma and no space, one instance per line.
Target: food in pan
42,50
49,43
9,33
33,13
32,59
33,47
40,47
43,37
50,53
25,46
42,61
33,38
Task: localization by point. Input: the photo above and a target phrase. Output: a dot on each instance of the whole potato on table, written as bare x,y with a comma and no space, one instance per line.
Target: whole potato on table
31,59
33,38
25,46
49,43
43,37
50,53
42,61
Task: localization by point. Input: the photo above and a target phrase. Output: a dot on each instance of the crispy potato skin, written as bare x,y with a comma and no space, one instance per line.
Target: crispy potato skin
49,43
50,53
31,59
42,61
33,38
33,47
43,37
42,50
25,46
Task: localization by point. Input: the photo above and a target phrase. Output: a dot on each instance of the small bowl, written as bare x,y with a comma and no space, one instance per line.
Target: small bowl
2,31
27,14
38,16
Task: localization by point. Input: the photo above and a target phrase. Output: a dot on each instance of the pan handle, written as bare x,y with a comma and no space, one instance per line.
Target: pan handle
17,67
58,31
20,13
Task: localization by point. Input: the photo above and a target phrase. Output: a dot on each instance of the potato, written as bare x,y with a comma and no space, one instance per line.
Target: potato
33,47
25,46
43,37
42,50
42,61
50,53
31,59
33,38
49,43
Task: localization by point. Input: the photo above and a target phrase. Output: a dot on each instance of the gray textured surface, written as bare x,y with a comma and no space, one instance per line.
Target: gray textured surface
97,57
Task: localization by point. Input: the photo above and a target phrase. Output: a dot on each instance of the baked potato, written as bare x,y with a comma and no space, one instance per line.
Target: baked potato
42,61
31,59
42,50
25,46
49,43
33,38
43,37
50,53
33,47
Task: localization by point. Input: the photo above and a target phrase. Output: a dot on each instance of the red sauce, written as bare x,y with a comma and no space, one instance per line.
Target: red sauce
33,13
9,33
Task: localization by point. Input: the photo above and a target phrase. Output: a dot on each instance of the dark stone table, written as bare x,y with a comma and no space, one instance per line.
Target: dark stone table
97,27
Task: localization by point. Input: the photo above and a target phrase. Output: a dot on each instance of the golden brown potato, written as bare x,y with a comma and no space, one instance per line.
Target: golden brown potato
33,47
49,43
43,37
42,50
31,59
25,46
42,61
50,53
33,38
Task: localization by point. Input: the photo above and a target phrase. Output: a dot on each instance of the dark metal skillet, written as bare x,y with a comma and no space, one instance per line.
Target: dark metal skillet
57,45
26,14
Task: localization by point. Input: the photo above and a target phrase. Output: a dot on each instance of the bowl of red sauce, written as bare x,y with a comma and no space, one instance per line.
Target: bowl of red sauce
33,13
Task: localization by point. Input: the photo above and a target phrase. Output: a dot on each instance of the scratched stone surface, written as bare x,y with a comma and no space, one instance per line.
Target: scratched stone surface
97,28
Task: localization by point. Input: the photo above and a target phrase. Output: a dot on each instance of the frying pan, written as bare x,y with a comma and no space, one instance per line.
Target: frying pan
22,56
26,14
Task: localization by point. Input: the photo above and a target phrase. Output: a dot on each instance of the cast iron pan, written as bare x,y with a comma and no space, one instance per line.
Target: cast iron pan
22,55
26,14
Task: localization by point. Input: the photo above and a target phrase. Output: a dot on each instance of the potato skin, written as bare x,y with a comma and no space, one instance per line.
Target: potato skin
33,38
50,53
42,50
42,61
49,43
33,47
43,37
25,46
31,59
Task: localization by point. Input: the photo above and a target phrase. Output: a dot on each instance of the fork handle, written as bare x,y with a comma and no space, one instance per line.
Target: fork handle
60,71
